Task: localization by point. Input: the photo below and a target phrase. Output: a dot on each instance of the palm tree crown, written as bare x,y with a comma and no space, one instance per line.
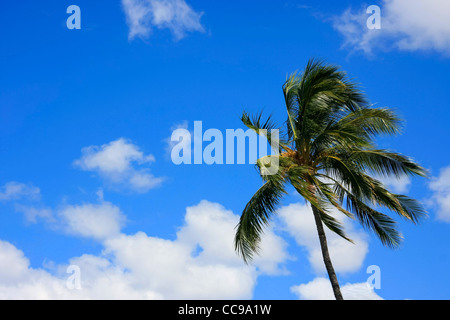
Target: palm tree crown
328,154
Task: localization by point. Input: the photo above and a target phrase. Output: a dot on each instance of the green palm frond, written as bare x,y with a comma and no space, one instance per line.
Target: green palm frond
408,208
256,123
372,121
382,225
261,127
256,215
292,107
355,130
386,163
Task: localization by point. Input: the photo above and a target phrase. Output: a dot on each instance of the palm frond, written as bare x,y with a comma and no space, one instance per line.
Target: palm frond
408,208
356,129
373,121
256,216
290,97
382,225
263,128
386,163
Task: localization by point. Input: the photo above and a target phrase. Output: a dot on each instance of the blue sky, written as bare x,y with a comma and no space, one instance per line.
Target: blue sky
86,176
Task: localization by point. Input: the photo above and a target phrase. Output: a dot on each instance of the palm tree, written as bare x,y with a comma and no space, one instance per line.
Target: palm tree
328,155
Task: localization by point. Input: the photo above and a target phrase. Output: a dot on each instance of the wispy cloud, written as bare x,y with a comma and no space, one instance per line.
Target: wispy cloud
176,15
16,190
33,214
441,187
408,25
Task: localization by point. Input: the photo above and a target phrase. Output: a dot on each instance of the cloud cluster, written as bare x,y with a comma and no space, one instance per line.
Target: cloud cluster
409,25
175,15
120,163
199,264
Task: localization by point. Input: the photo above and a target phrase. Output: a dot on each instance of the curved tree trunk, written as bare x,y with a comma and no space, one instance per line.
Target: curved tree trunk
326,255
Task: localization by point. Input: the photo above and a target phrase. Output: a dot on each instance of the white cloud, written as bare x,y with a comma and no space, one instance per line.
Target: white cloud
405,25
19,281
111,158
100,279
15,191
169,268
441,187
320,289
199,264
298,221
212,227
98,221
175,15
117,162
13,264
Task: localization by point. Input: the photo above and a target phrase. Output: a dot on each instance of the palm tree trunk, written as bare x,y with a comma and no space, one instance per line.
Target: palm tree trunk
326,255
